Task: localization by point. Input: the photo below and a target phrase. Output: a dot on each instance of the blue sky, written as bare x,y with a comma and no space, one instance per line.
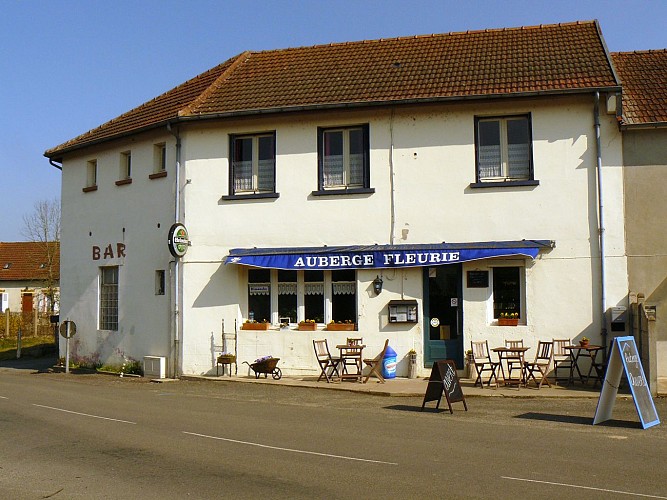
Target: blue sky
67,66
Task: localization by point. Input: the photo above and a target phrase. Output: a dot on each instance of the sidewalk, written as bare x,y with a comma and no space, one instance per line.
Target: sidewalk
403,387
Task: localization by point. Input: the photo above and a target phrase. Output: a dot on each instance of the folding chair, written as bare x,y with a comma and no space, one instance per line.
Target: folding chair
513,360
328,364
541,365
354,341
482,361
375,364
562,358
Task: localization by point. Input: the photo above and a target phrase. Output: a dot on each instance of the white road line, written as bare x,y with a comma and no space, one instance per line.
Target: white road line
583,487
290,449
85,414
2,397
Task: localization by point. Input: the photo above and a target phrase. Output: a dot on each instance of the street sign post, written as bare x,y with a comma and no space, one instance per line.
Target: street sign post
67,330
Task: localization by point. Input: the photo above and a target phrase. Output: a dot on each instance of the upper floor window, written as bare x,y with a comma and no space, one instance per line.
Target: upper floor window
91,175
253,163
126,165
159,157
343,156
503,149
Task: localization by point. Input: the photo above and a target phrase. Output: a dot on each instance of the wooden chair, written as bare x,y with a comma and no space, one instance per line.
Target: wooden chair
328,364
375,364
513,360
562,358
541,365
350,359
354,341
482,361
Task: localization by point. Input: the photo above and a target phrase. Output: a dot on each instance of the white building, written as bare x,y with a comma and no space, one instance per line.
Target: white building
460,169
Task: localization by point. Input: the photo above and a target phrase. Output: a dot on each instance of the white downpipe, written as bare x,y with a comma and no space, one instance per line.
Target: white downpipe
601,226
391,179
177,261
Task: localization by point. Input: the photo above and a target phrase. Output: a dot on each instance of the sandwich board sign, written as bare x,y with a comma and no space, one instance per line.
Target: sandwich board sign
444,379
624,357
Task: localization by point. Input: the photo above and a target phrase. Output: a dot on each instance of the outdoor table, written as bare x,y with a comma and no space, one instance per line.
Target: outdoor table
503,352
585,351
350,356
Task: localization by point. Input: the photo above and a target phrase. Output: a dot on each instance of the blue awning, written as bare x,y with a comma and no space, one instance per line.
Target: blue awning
382,256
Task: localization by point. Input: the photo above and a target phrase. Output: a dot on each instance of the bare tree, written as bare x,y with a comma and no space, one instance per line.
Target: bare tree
42,226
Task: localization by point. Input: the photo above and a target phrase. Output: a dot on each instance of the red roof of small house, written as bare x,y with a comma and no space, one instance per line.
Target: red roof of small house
644,79
28,261
545,59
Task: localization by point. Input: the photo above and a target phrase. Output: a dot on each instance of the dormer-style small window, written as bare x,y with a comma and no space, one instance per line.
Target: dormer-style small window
7,265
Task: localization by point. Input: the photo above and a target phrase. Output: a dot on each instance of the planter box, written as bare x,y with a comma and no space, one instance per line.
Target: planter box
341,327
508,321
255,326
307,327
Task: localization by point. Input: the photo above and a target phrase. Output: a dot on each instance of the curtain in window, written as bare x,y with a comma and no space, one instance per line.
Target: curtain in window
342,288
519,161
314,289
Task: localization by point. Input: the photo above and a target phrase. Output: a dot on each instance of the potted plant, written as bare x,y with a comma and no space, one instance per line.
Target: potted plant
307,325
342,326
584,341
412,366
251,324
508,319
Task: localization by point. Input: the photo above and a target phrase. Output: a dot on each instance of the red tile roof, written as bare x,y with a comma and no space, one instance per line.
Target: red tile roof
501,62
22,261
644,79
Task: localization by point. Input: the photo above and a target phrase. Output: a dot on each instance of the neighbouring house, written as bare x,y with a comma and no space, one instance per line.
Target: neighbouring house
417,189
644,129
29,277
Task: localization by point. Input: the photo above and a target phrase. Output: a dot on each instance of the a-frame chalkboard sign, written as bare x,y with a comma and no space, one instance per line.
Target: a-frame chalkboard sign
444,379
624,357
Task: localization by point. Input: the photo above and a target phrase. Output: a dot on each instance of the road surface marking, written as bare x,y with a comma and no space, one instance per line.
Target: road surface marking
583,487
2,397
85,414
290,449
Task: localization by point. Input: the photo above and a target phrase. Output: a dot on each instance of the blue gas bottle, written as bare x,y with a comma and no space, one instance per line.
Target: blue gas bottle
389,363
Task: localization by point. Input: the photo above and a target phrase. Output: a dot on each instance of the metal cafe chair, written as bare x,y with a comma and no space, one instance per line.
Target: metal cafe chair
328,364
482,361
541,365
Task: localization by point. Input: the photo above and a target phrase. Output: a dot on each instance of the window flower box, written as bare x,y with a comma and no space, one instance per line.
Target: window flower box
255,326
342,327
508,321
307,326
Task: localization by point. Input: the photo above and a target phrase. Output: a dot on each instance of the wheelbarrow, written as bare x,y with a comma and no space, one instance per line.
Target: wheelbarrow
266,366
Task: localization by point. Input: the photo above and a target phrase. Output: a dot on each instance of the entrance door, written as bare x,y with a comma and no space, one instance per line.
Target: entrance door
443,314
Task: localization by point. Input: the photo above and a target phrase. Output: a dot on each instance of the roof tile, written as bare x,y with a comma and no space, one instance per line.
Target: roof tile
22,261
547,58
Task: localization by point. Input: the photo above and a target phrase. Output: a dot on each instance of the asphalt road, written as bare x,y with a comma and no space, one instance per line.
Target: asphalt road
96,436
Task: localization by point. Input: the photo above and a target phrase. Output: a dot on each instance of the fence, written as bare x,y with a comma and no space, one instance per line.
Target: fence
33,324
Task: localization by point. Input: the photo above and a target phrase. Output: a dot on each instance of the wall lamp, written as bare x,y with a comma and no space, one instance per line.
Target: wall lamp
377,285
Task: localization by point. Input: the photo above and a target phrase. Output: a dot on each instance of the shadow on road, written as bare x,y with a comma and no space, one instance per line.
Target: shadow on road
573,419
417,409
34,365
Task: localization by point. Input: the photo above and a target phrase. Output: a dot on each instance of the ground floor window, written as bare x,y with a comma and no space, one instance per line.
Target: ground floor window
108,317
259,294
508,292
285,296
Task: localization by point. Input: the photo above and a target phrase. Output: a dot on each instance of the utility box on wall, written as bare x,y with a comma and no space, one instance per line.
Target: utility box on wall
618,318
155,367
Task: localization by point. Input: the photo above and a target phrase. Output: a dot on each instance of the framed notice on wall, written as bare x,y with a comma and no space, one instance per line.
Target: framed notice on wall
478,279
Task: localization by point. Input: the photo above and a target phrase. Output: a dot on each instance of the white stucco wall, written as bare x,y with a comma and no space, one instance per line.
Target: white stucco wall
433,167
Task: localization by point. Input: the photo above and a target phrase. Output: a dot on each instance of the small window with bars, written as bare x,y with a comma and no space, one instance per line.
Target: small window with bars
108,298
